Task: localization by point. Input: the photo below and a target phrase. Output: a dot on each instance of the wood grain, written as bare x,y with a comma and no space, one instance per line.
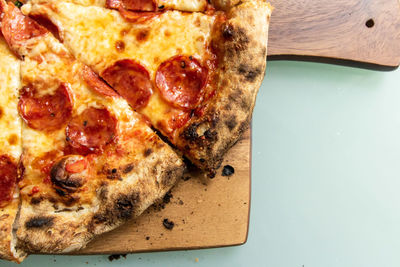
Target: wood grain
206,213
337,29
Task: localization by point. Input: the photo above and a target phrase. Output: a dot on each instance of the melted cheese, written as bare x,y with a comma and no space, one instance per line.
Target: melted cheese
93,33
10,122
57,66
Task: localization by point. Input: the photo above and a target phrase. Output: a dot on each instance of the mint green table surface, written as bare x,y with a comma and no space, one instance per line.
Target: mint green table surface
325,176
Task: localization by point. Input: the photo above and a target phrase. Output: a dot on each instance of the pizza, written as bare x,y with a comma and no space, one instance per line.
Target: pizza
104,100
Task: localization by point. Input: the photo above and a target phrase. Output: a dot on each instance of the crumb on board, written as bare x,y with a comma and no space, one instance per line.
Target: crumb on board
168,224
147,237
167,197
228,170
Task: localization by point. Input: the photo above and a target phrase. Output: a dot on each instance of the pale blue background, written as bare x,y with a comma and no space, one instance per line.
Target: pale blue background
326,175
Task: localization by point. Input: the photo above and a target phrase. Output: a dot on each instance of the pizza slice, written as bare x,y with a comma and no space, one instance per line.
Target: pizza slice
90,162
10,151
194,76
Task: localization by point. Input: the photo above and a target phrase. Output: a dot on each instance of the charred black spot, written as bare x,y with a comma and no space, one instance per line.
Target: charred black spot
40,222
168,224
190,132
61,192
148,152
210,135
125,205
202,160
36,200
250,73
228,31
231,122
128,168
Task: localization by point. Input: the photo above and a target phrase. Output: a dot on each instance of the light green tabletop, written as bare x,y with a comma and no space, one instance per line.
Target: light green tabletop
326,176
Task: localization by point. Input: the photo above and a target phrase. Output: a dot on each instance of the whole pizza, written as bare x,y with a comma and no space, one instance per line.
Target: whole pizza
102,100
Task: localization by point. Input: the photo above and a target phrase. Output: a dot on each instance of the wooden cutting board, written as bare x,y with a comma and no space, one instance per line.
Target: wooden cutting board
358,30
213,213
206,213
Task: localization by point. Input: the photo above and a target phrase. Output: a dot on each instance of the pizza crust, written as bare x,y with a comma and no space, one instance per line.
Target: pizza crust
242,41
7,234
45,227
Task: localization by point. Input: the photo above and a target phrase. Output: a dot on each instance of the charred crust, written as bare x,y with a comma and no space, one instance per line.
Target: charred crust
39,222
228,31
125,205
128,168
231,122
36,200
103,191
249,73
147,152
169,176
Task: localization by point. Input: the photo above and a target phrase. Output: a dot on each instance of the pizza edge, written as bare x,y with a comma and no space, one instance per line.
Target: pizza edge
242,40
42,229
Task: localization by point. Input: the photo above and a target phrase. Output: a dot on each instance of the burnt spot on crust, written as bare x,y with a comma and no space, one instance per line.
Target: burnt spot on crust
125,205
40,222
201,133
238,97
169,176
236,37
248,72
128,168
103,191
111,173
231,122
147,152
36,200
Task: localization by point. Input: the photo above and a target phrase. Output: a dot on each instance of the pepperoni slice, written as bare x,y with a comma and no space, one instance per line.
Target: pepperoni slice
137,16
90,131
95,82
46,112
8,179
17,28
181,80
131,80
133,5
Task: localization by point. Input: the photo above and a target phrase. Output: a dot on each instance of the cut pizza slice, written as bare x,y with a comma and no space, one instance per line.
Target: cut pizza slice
10,152
90,162
194,76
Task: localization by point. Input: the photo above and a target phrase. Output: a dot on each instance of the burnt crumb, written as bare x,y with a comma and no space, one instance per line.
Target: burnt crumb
167,197
180,202
161,7
147,237
228,170
114,170
148,152
168,224
186,178
250,73
116,257
40,222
